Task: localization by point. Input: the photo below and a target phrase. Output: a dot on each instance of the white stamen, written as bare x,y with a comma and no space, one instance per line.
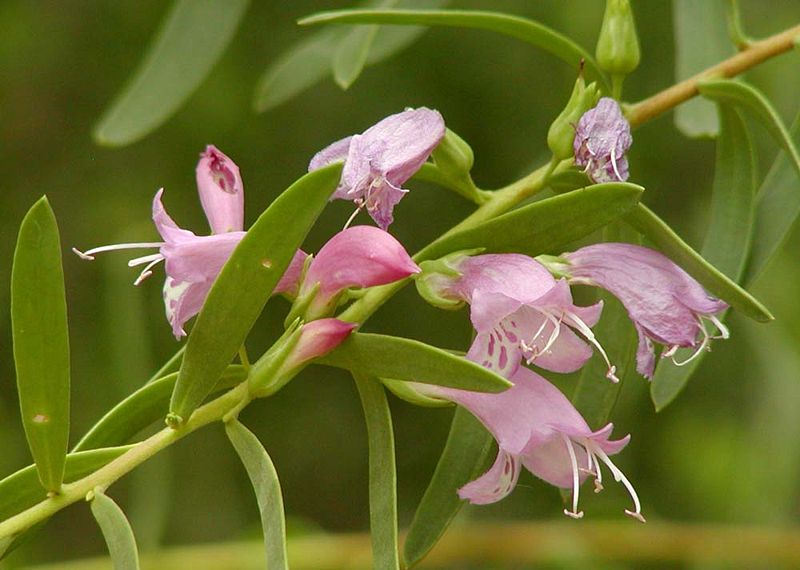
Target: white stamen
670,352
146,271
724,333
584,329
89,253
575,513
700,349
619,476
614,162
145,259
353,216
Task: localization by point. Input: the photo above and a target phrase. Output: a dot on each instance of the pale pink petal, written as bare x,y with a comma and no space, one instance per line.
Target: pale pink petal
200,258
182,301
645,354
169,230
493,350
221,191
318,338
517,276
335,152
495,484
602,137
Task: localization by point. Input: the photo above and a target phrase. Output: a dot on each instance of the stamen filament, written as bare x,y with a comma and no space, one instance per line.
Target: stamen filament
584,329
146,271
619,476
144,259
575,514
89,253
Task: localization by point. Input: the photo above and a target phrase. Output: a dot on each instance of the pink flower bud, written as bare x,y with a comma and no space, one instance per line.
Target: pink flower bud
360,256
318,338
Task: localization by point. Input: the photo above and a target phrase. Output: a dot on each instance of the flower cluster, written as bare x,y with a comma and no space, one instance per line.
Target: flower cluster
521,308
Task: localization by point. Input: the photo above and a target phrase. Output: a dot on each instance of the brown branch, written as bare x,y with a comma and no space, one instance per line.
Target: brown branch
755,53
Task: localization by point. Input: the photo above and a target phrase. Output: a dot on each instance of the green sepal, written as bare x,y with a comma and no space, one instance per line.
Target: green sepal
561,134
406,391
266,375
436,274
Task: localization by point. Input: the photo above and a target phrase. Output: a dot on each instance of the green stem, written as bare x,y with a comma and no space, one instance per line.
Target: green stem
76,491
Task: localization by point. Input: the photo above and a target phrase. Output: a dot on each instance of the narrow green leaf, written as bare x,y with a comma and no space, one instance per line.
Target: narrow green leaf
777,210
749,98
656,230
297,69
728,236
463,459
41,341
523,29
143,408
701,40
351,54
382,473
258,262
405,359
267,487
191,40
21,489
309,61
5,545
546,225
116,530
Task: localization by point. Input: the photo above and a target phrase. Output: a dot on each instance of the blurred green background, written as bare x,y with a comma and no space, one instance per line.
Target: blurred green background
728,451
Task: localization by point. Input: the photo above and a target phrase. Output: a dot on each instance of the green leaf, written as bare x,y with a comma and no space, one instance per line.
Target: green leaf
191,40
116,530
405,359
21,489
351,55
41,341
728,237
382,473
267,487
753,101
309,61
245,284
777,210
701,40
657,231
545,225
170,366
463,459
523,29
149,404
303,65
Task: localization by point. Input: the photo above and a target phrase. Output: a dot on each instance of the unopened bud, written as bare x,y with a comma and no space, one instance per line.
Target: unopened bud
618,45
562,131
453,156
437,278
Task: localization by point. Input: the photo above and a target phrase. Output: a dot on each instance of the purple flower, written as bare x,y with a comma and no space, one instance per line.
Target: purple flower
520,311
602,138
665,303
537,427
380,160
360,256
193,262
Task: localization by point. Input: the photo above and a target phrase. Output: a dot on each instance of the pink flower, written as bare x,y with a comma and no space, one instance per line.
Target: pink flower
602,138
665,303
380,160
537,427
193,262
318,338
520,311
360,256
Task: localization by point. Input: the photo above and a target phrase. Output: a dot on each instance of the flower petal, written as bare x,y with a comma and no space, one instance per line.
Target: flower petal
169,230
221,191
334,152
495,484
182,301
290,281
199,258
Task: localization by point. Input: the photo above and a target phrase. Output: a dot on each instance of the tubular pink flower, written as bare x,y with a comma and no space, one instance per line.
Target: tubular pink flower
664,302
520,311
602,138
221,191
537,427
360,256
318,338
193,262
380,160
